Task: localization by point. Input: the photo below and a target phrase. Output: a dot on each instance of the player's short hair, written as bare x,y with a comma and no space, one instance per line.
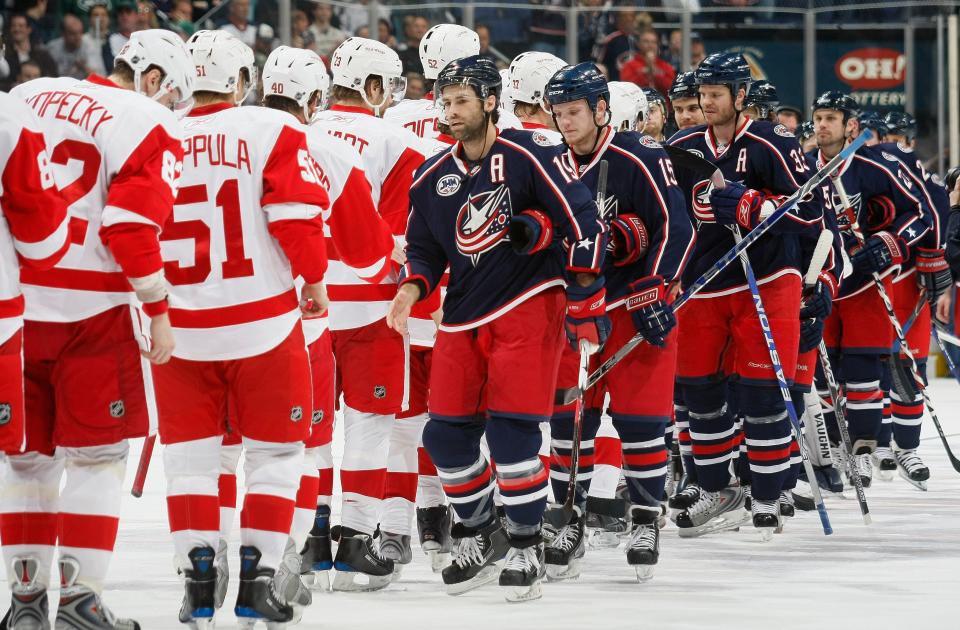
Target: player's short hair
284,104
339,93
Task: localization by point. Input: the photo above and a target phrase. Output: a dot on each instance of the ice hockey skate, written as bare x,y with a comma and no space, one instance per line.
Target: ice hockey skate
223,573
433,526
604,531
524,570
688,491
713,512
317,555
29,608
396,547
643,546
81,608
767,518
884,462
199,590
258,599
564,553
359,564
787,509
862,463
475,558
288,583
912,468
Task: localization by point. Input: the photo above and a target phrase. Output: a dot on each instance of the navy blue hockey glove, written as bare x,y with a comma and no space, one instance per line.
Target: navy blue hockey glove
933,273
628,239
735,204
530,232
811,332
652,314
880,252
587,315
819,301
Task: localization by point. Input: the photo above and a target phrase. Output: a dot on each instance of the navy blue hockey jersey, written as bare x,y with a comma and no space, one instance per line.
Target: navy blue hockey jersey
866,174
762,156
934,191
460,215
641,182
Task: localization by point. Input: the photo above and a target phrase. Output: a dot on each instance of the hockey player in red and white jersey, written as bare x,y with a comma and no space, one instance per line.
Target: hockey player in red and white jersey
372,360
246,222
527,78
33,234
296,81
627,104
439,46
116,154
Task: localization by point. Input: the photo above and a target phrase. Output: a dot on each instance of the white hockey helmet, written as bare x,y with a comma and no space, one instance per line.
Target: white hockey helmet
529,74
220,58
296,74
165,50
358,58
627,103
445,43
505,102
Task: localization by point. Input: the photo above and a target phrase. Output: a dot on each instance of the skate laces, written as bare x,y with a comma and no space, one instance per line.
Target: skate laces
643,537
707,502
764,507
469,551
864,465
691,490
567,539
910,460
524,560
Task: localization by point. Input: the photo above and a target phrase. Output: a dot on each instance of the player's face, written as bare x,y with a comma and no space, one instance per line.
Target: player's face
576,121
464,111
717,104
687,113
829,128
653,123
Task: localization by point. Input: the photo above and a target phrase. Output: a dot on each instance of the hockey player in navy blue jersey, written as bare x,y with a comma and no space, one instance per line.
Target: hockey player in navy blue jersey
651,238
893,214
495,208
720,334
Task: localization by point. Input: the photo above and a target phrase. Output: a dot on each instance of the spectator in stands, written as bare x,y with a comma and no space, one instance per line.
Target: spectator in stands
42,26
548,29
619,46
483,32
302,36
647,69
698,51
238,23
181,18
75,56
790,117
385,33
326,38
127,22
99,22
264,44
29,71
416,88
20,50
146,15
414,28
351,18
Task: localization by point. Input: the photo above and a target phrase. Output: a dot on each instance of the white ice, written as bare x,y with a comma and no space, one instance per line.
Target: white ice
903,572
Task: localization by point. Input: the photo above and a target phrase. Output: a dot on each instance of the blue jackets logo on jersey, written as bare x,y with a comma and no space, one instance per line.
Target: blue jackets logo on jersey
700,196
447,185
482,222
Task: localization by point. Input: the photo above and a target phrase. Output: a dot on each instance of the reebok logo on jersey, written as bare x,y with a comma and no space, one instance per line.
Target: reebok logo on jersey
296,414
6,413
379,392
483,221
117,409
448,185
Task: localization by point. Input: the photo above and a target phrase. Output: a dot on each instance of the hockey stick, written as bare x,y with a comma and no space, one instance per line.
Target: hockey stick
145,455
569,395
892,316
898,370
582,373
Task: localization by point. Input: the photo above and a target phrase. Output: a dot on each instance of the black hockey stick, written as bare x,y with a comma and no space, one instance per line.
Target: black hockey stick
892,316
569,395
899,372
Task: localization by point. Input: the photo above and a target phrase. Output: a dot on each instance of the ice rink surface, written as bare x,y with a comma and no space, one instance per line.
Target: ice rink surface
902,573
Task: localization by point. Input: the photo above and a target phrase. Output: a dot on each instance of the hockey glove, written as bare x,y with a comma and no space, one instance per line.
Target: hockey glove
628,239
530,232
587,315
652,314
933,274
819,302
811,332
880,252
735,204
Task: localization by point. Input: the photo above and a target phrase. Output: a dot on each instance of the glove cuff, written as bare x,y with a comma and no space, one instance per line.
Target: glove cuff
827,280
531,231
646,291
930,260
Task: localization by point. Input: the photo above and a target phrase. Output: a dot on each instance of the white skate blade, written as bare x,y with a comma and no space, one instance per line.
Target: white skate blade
602,539
645,572
766,533
920,485
486,575
726,521
438,560
316,580
355,581
884,475
559,572
519,594
246,623
203,624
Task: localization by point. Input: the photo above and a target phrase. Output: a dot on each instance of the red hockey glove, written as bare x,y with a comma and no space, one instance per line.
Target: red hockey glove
587,315
629,239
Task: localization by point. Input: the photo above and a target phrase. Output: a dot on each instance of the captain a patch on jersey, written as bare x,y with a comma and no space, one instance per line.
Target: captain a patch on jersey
483,221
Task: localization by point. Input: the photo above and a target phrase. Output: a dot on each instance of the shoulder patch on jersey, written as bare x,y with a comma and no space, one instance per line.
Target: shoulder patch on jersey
904,148
649,142
888,157
540,138
448,184
781,130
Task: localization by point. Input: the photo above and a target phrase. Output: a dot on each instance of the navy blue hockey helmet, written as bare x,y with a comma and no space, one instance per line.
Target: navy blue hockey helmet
684,86
572,83
476,71
762,95
839,101
901,123
805,131
654,97
874,122
724,69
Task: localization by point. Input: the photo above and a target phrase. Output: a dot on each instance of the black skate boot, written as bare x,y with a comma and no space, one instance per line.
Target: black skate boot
713,512
912,467
566,550
288,583
396,547
81,608
643,547
766,518
199,589
688,491
605,522
258,599
862,450
786,505
475,557
885,462
316,557
29,608
524,569
359,565
433,526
